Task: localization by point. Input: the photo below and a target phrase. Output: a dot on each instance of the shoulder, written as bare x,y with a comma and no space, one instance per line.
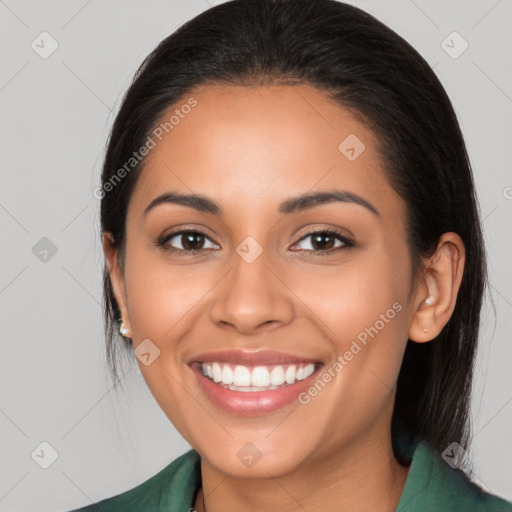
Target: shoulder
433,484
172,488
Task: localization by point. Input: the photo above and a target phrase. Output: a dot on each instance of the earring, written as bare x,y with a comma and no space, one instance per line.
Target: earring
429,300
123,330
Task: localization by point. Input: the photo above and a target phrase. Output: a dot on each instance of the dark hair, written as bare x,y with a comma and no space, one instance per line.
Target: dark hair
365,66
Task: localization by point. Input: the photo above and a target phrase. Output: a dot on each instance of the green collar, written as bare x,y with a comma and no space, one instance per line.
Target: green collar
431,486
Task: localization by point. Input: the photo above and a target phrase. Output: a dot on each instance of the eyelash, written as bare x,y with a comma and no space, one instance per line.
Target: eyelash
162,241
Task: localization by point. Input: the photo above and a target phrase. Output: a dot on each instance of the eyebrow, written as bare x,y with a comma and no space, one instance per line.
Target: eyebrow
291,205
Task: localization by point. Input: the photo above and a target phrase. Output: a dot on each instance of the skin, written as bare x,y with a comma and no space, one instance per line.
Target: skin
248,149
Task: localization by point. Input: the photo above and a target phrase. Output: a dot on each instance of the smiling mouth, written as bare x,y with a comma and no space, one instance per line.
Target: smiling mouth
256,378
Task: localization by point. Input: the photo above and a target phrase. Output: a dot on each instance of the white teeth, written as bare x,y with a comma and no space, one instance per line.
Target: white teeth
290,374
258,378
308,370
217,372
227,374
242,376
277,376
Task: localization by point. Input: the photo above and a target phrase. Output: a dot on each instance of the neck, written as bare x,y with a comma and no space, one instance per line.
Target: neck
362,476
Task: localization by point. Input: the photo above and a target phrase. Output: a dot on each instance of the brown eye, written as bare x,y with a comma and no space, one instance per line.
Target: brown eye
187,241
324,241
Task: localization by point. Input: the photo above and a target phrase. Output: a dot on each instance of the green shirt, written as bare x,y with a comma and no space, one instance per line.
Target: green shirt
432,485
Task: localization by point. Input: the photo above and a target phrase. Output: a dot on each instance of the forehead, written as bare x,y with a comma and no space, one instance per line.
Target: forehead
249,147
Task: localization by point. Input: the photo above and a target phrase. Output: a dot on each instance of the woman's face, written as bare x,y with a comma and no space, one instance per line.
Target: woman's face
259,283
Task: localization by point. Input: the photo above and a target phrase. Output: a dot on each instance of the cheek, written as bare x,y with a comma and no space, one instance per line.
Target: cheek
162,296
353,296
362,309
165,303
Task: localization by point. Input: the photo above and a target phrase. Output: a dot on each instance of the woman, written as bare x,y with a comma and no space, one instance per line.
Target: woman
294,253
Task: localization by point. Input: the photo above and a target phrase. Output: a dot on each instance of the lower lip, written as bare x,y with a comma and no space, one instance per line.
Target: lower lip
251,403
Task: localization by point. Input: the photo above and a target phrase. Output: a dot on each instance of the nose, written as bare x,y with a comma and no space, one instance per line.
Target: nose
252,298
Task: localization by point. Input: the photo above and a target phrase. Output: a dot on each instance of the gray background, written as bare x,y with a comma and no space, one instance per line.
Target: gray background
56,113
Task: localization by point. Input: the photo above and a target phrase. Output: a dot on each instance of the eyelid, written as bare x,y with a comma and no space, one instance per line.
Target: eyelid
164,239
346,241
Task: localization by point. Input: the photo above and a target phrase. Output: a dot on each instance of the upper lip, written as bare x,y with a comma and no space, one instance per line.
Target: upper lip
243,357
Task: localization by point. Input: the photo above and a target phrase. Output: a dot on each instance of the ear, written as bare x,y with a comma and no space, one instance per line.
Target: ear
436,296
116,277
